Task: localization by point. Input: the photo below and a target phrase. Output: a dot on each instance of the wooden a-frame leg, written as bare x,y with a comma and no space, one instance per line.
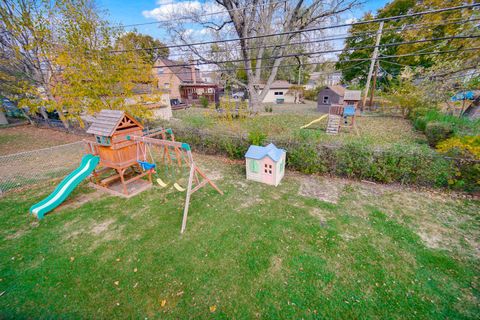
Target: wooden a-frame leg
187,199
214,186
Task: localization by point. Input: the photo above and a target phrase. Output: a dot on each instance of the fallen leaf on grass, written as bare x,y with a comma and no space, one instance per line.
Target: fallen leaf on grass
116,283
71,259
135,270
179,293
213,308
163,303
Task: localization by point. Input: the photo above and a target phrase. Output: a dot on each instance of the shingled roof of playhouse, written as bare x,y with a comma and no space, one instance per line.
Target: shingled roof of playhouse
258,152
107,121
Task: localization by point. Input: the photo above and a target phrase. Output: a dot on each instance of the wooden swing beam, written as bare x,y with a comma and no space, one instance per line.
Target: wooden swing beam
194,170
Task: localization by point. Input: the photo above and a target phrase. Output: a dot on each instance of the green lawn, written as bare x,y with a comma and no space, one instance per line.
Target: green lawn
363,252
285,122
28,137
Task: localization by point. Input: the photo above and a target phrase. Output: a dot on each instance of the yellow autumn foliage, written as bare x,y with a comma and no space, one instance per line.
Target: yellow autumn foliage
468,146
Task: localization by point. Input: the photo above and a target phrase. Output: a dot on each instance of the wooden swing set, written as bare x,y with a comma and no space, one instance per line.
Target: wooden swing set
123,147
196,179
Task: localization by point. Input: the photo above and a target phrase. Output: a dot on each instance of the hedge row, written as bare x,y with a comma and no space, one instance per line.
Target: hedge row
413,165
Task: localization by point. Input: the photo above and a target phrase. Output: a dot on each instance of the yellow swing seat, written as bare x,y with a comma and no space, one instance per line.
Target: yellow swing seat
161,183
178,187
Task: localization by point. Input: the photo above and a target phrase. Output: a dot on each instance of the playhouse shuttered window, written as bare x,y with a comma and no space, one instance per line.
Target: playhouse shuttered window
104,141
254,166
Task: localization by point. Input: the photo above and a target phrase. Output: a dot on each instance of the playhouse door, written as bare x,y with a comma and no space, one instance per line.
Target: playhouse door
267,171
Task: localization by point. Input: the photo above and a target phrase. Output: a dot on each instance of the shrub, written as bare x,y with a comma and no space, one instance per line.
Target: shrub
204,102
312,94
461,126
230,109
438,131
307,158
256,137
413,165
466,151
461,147
268,108
420,123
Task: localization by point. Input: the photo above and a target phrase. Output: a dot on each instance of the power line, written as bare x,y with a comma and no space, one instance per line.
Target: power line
310,29
331,51
340,62
339,37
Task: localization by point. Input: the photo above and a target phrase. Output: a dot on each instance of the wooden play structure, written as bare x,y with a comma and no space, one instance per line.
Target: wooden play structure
129,157
118,156
337,118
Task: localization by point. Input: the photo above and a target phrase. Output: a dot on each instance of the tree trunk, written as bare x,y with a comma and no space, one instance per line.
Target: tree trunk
254,101
63,119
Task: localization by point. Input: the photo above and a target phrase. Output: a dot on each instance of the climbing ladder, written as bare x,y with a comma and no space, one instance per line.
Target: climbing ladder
333,124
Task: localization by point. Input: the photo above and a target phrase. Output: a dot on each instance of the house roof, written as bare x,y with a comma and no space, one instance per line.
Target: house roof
352,95
106,121
337,89
258,152
182,71
278,84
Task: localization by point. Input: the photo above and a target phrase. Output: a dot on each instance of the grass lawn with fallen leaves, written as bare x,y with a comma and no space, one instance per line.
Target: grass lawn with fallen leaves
28,137
311,248
285,122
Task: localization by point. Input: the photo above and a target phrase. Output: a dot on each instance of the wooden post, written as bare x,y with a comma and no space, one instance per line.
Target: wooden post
372,63
193,170
374,84
189,192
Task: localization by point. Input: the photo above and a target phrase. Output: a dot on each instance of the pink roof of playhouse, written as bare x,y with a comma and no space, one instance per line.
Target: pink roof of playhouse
258,152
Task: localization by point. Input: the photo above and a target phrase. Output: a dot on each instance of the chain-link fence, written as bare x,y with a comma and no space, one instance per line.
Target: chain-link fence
30,167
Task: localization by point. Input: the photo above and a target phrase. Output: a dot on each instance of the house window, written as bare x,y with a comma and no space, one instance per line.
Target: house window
278,93
166,85
326,100
159,71
254,166
104,141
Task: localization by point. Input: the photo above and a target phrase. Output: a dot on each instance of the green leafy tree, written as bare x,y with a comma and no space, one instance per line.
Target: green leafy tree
427,26
61,57
152,49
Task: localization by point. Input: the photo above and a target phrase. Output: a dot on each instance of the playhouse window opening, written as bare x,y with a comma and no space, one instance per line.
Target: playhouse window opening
326,100
104,141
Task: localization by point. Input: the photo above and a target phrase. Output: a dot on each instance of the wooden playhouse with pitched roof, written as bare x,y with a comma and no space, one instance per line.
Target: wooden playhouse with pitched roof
118,154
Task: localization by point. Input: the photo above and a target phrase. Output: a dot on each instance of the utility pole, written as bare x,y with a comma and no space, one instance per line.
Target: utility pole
374,83
297,91
372,63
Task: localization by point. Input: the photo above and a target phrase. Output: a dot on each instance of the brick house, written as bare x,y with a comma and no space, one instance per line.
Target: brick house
184,81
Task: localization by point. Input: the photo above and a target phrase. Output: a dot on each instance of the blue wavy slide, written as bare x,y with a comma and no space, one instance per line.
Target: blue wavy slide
63,190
